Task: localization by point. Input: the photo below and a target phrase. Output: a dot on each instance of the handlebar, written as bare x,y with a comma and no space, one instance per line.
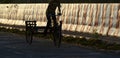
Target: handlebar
59,14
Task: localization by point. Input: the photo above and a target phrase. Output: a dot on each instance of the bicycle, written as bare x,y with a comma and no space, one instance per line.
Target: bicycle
32,29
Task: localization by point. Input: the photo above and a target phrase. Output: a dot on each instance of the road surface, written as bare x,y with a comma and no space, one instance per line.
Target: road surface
14,46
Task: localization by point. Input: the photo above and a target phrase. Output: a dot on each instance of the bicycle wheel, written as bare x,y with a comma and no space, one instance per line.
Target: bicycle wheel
29,36
57,36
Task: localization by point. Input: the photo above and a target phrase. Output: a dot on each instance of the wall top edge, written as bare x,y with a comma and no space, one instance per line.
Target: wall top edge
62,3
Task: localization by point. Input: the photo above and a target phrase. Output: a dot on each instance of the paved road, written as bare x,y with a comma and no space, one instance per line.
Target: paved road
14,46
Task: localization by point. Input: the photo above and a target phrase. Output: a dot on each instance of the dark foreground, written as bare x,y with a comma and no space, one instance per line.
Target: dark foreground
14,46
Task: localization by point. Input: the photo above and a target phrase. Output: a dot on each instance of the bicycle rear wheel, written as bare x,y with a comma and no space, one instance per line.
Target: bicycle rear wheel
29,36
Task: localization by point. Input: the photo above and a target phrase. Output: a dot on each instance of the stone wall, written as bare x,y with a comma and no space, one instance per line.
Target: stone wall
101,18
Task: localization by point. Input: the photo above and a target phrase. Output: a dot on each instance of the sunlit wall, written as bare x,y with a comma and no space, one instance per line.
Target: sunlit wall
101,18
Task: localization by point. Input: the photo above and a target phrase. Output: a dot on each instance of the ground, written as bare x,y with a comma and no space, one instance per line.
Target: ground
14,46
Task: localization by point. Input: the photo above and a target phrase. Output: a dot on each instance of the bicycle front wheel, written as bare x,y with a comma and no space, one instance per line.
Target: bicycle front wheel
57,37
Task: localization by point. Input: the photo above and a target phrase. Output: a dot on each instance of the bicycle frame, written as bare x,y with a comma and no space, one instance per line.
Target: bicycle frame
31,29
